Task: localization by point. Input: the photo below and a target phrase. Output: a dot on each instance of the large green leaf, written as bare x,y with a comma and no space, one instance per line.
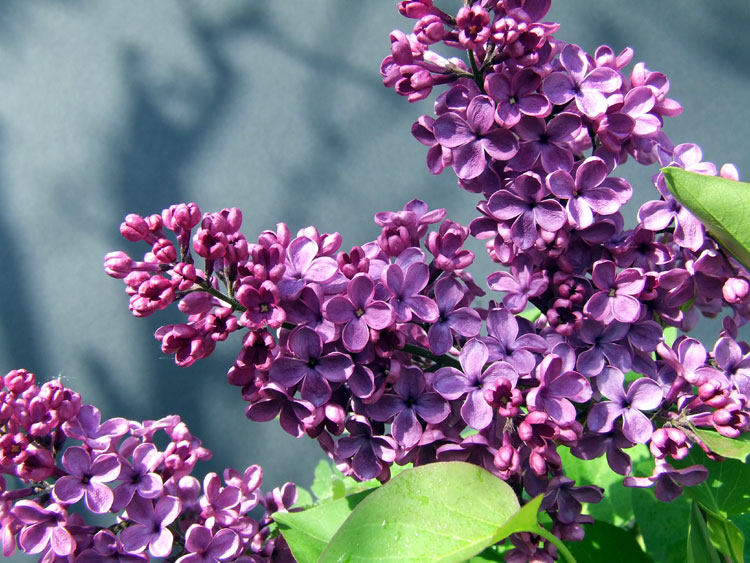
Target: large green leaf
725,536
444,512
309,531
605,542
743,525
663,525
722,205
726,491
734,448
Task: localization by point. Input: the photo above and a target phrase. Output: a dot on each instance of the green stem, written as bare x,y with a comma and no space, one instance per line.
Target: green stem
444,360
549,536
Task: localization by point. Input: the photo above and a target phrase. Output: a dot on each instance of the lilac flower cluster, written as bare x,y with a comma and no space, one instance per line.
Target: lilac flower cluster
381,354
59,454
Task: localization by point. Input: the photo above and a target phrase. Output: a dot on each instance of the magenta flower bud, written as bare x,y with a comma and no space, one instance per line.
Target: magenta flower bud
474,26
135,229
185,276
735,290
353,263
430,29
415,9
164,251
118,264
183,216
19,380
731,420
713,394
669,441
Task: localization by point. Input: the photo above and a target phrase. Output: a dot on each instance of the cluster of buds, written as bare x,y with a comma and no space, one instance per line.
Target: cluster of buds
62,457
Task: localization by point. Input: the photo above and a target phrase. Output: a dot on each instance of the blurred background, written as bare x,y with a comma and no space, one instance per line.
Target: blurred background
111,107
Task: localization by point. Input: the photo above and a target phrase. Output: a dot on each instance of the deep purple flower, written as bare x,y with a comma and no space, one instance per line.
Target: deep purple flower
43,527
369,453
504,342
617,298
262,305
669,481
557,388
411,401
139,476
551,141
603,343
643,394
150,528
273,401
86,476
590,192
525,203
592,446
588,86
516,96
453,319
107,548
563,499
472,381
358,312
311,366
206,547
473,137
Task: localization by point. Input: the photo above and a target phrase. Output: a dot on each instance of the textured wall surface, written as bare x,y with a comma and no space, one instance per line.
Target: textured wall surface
112,107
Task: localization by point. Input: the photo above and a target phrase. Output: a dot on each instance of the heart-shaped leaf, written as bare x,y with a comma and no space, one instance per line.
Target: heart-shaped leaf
448,511
721,204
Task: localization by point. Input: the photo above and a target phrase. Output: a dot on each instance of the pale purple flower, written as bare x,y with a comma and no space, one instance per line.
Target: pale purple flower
151,525
453,319
219,505
590,192
206,547
311,366
580,82
618,295
504,343
516,96
643,394
472,137
43,527
525,203
405,291
358,312
604,343
86,476
139,476
453,384
520,284
411,401
87,428
557,388
303,265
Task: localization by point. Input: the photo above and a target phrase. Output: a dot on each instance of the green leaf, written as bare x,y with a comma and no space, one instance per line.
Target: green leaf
722,205
734,448
322,486
447,511
743,525
304,498
725,536
725,492
616,507
309,531
670,335
662,525
490,555
530,313
605,542
699,547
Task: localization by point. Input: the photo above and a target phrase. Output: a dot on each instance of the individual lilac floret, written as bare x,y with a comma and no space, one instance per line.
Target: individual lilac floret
303,266
359,312
107,548
206,547
603,343
551,141
311,366
87,428
411,401
669,481
405,291
86,476
453,384
453,319
151,525
520,284
139,476
369,454
587,86
43,527
272,401
473,137
590,192
516,96
617,298
504,342
643,394
557,388
526,204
